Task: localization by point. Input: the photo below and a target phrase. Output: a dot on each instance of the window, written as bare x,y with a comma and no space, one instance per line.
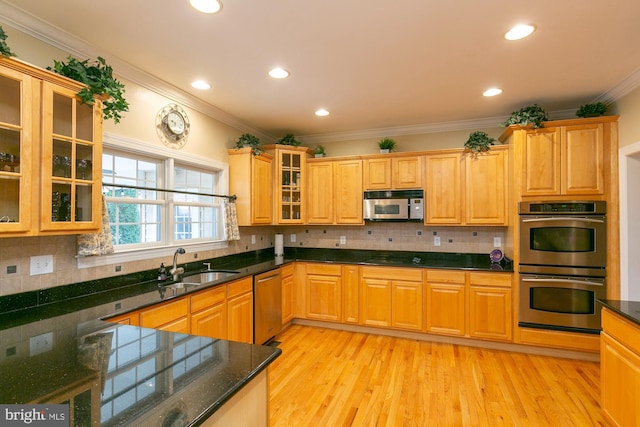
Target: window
143,217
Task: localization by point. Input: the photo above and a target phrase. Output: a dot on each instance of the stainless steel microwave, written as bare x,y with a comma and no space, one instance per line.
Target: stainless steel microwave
393,205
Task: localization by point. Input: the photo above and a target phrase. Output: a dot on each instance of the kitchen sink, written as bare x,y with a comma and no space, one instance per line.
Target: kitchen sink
207,277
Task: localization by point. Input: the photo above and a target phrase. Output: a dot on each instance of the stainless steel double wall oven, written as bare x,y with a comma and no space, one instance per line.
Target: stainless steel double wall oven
563,258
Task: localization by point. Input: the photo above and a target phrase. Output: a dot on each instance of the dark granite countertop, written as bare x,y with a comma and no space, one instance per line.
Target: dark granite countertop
628,309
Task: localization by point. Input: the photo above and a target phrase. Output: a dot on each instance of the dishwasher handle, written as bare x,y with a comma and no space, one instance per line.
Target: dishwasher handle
266,279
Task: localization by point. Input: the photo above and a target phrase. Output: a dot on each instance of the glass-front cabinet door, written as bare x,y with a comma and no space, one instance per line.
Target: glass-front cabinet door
71,161
290,183
16,134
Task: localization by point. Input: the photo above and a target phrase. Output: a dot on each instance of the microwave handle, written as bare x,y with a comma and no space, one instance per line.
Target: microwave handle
577,282
592,220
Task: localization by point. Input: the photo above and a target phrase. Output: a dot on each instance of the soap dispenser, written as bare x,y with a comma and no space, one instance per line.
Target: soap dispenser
162,273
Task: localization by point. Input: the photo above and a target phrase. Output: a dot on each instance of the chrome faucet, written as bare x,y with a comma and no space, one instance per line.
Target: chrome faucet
176,271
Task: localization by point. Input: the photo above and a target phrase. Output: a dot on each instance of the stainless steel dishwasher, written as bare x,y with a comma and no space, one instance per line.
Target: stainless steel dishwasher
267,306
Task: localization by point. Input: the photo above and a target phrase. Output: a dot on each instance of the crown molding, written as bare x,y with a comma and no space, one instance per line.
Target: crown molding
629,83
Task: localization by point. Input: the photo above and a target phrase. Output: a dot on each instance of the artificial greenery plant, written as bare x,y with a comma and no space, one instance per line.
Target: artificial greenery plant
289,139
98,76
387,144
478,142
592,110
319,151
4,47
532,115
248,140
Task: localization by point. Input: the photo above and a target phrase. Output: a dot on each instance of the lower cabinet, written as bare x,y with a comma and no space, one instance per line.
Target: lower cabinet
619,370
446,302
240,310
324,292
287,293
170,316
209,313
350,294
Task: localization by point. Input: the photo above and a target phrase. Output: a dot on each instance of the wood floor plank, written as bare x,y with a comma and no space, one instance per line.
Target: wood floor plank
332,378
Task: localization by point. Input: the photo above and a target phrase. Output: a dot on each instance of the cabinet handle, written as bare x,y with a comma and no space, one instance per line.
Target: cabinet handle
264,279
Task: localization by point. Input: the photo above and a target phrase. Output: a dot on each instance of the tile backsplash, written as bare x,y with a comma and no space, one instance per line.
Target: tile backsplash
15,253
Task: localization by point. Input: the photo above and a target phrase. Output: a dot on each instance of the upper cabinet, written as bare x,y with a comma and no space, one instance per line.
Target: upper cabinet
251,181
334,193
50,154
564,158
463,189
393,172
289,181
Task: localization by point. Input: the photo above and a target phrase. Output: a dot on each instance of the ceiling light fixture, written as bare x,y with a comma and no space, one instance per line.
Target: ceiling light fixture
322,112
278,73
206,6
519,32
201,84
492,92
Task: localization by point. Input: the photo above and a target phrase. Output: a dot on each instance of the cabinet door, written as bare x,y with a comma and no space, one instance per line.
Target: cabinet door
583,162
320,205
261,189
348,192
350,294
540,161
406,172
486,188
324,299
71,161
620,379
445,308
290,178
406,309
287,296
376,302
377,174
16,150
444,192
490,313
170,316
240,318
210,322
132,318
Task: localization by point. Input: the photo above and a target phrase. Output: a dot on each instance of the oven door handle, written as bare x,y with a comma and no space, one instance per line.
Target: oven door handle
576,282
592,220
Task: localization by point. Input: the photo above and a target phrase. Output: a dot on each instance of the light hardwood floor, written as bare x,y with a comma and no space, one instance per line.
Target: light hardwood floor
329,378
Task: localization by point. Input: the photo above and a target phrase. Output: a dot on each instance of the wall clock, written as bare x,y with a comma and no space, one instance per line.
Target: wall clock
172,125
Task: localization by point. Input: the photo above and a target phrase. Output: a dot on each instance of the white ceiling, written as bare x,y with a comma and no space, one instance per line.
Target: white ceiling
373,64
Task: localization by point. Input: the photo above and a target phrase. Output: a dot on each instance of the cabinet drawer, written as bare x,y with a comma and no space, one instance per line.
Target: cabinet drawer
621,329
393,273
324,269
490,279
445,276
164,313
287,270
208,298
239,287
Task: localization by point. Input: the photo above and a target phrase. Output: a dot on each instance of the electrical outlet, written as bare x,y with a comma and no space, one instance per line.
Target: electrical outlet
293,238
497,242
41,264
40,343
436,240
253,239
343,240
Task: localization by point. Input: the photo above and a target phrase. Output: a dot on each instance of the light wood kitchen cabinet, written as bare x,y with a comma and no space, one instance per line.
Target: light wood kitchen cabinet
289,182
131,318
350,294
324,292
334,193
463,190
50,142
393,172
620,369
240,310
490,306
287,292
391,297
170,316
445,310
251,181
209,313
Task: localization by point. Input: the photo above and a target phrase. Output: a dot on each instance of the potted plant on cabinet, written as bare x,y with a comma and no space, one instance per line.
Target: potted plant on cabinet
532,116
478,142
289,139
98,76
4,47
248,140
386,145
319,151
596,109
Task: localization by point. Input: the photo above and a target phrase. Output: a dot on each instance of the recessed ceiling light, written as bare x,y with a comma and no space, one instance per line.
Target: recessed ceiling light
322,112
206,6
492,92
201,84
519,32
278,73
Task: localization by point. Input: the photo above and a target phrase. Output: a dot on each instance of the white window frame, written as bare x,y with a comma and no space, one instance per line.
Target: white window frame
128,145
